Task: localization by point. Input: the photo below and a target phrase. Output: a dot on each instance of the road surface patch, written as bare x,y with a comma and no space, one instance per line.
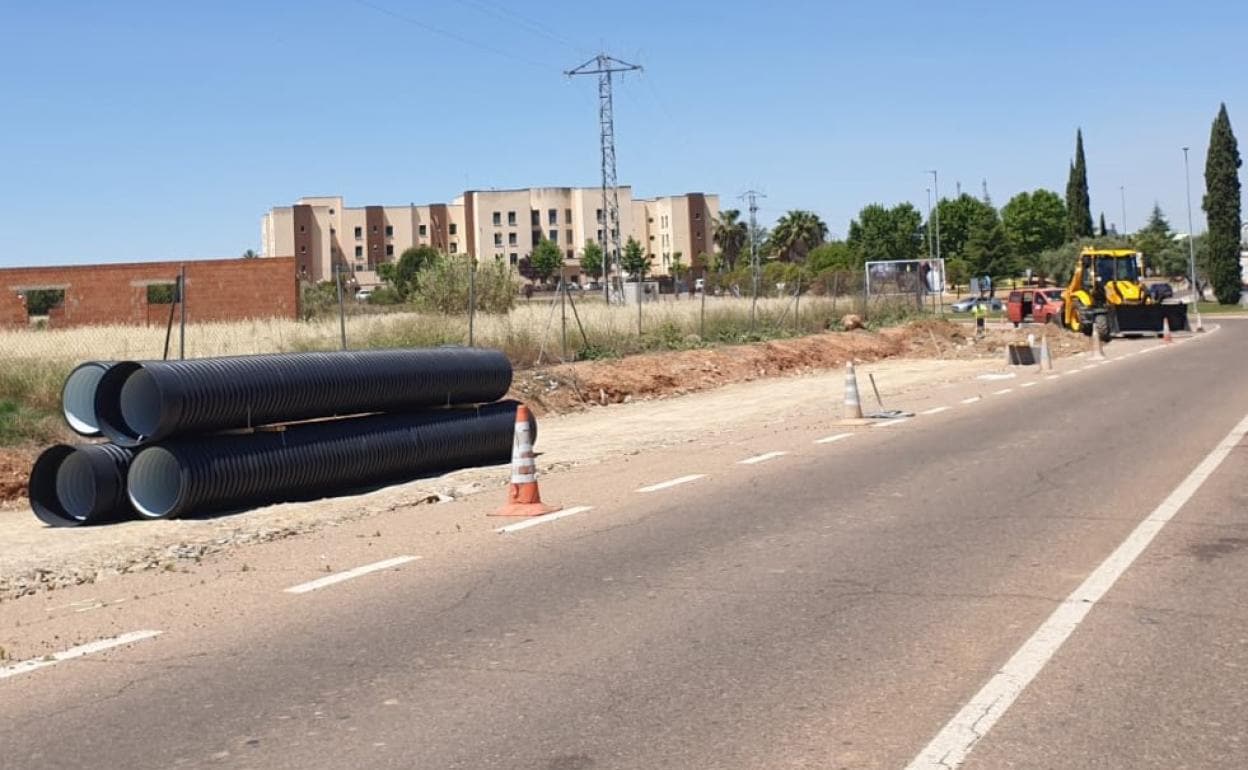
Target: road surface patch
958,737
27,666
833,438
764,457
672,483
340,577
533,522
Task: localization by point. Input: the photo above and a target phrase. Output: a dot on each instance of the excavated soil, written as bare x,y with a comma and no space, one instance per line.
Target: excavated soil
14,473
573,387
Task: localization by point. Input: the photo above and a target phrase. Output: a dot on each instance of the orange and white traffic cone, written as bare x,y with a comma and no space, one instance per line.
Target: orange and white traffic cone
1166,336
523,497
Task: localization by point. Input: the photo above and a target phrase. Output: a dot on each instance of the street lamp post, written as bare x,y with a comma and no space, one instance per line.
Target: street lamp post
929,222
1191,241
1122,190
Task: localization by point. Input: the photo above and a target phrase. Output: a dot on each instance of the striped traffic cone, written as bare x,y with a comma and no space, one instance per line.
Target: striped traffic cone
523,497
853,406
1046,357
1165,330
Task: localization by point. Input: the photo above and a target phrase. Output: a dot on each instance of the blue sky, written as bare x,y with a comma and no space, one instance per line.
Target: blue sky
164,130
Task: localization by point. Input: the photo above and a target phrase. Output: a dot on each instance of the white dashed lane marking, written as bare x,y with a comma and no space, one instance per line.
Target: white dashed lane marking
339,577
75,652
756,459
672,483
533,522
833,439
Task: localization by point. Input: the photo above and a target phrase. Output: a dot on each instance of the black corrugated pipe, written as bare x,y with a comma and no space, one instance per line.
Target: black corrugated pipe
83,484
317,459
78,397
142,402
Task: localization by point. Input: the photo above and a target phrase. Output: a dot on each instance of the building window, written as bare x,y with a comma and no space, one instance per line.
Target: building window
652,237
498,219
359,265
511,219
389,249
331,212
537,237
554,236
374,229
513,257
698,235
303,249
332,231
374,247
535,218
359,250
389,231
359,232
552,216
452,230
600,240
511,239
454,246
569,253
424,229
302,228
568,237
567,216
498,239
650,220
598,215
697,215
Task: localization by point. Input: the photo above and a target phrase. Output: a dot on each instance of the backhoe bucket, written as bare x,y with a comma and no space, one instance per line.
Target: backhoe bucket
1147,319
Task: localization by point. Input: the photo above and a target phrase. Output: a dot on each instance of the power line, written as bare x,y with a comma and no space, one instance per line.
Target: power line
452,35
604,66
508,15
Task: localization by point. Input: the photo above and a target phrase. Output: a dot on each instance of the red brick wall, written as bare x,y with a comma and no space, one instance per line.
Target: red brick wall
216,290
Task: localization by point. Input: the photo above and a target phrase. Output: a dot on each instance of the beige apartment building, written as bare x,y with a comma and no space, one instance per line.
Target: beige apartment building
320,232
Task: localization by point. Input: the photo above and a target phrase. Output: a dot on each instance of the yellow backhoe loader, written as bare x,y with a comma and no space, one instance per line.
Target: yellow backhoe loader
1106,296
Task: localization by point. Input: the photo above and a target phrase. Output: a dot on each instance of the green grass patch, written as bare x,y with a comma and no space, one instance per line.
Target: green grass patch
1213,308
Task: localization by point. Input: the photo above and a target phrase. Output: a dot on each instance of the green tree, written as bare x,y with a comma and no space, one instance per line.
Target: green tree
957,272
833,255
1104,231
677,266
546,259
988,251
1156,242
406,274
957,217
249,254
1222,211
634,260
591,260
1078,204
884,233
1034,222
796,233
40,301
732,236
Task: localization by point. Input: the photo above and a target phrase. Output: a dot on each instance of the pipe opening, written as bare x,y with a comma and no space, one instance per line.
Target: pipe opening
78,399
140,404
75,486
155,482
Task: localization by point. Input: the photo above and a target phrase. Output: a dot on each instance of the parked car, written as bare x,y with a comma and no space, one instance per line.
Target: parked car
965,304
699,285
363,294
1035,305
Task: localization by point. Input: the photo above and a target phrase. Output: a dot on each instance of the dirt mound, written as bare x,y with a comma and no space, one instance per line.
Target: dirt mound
576,386
14,473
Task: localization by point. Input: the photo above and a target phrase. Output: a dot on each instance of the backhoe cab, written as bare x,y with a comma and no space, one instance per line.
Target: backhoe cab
1106,296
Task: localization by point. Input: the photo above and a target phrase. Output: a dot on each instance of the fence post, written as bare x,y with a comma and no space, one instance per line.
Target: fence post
472,297
342,313
182,303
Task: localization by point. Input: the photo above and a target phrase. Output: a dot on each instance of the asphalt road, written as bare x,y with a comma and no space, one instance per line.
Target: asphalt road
832,607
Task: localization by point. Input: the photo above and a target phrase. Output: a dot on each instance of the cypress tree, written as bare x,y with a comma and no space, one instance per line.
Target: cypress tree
1222,213
1078,202
1104,230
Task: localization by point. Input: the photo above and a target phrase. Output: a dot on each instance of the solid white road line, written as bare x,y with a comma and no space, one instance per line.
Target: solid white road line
832,439
1002,392
27,666
937,410
673,483
533,522
764,457
1029,384
887,423
1052,376
954,742
971,400
339,577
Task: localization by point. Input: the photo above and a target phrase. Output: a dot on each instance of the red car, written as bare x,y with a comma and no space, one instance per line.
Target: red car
1035,305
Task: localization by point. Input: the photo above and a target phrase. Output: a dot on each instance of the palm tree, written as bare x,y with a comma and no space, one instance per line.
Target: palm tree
796,233
731,235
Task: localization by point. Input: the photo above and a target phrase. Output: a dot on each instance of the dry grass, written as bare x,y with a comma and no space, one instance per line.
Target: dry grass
519,333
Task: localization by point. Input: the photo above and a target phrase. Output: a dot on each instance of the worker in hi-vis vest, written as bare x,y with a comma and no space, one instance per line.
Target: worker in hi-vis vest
980,311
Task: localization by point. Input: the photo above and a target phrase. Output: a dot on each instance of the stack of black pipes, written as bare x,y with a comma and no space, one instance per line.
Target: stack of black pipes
213,435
